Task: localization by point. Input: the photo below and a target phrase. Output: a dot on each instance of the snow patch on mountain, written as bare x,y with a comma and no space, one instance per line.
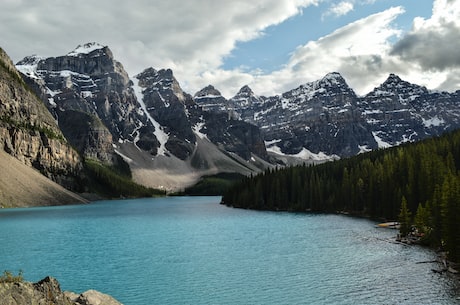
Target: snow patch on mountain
161,136
434,121
380,142
197,130
304,154
86,49
29,65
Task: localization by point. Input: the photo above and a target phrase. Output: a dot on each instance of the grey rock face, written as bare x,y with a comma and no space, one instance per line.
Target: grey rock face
29,133
234,136
167,104
210,99
90,81
321,116
181,116
400,112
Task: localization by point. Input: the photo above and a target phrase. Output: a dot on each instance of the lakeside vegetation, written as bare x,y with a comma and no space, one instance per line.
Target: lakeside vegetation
418,183
9,277
213,185
115,181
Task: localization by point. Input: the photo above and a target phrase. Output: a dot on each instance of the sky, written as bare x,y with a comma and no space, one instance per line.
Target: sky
273,46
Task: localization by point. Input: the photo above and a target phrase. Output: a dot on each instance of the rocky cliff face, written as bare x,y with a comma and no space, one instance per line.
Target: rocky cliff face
179,119
29,132
224,126
318,117
90,84
48,291
165,104
400,112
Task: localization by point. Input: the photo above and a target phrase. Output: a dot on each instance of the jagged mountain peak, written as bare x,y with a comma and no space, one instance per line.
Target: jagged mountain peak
245,91
165,74
162,74
30,60
147,73
208,91
151,76
331,84
394,81
162,79
86,48
393,78
28,66
334,78
394,85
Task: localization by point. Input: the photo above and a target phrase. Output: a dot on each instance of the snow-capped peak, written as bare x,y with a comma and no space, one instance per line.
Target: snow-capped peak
207,92
86,49
245,91
333,78
395,86
30,60
28,65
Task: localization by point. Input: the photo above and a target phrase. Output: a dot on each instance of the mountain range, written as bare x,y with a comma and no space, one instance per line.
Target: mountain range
171,139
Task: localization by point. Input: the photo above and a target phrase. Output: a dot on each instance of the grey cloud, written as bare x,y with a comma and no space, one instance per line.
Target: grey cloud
452,81
436,50
366,71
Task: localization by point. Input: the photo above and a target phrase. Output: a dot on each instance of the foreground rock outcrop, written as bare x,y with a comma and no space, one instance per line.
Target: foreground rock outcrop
48,291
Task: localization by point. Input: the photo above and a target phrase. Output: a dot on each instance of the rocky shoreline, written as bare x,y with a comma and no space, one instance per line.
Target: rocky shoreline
48,291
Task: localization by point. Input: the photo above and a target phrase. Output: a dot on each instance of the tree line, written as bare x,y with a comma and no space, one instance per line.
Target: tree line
115,182
421,178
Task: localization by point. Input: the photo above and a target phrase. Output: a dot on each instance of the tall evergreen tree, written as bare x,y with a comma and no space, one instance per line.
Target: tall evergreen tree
404,218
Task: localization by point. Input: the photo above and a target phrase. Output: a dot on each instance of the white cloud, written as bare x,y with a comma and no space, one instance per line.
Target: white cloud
339,9
191,37
194,37
364,54
359,51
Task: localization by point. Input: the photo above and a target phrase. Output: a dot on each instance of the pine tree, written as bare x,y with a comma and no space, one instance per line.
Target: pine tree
404,218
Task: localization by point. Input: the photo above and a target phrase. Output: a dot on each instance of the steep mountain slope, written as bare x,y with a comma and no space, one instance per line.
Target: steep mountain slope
89,84
400,112
192,142
23,186
29,133
30,140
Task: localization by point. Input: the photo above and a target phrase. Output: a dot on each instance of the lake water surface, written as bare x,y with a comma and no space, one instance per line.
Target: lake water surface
191,250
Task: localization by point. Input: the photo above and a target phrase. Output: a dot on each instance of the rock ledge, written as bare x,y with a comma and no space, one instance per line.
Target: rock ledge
48,291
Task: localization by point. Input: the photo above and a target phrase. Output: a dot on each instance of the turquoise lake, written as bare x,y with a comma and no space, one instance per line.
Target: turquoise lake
192,250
